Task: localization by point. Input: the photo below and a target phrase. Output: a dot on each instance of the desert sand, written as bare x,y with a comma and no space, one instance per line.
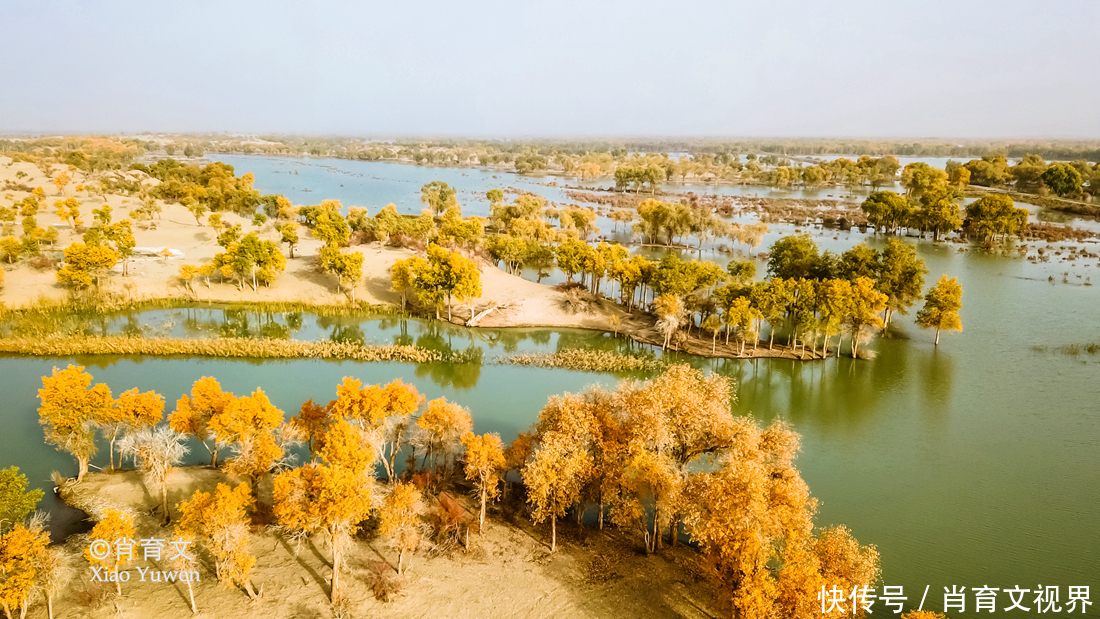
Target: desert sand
508,571
506,301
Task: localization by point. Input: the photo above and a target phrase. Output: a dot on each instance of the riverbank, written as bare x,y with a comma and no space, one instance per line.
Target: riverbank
507,570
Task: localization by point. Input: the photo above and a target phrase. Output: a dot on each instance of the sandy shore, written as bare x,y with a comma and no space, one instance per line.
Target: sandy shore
513,301
507,572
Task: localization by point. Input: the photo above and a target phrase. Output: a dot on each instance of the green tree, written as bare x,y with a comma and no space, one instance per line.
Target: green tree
794,256
901,277
938,213
16,502
919,177
887,210
995,216
439,196
1063,179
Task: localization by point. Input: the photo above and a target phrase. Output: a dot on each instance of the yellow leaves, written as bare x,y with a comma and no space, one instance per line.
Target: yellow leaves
351,401
140,410
401,399
311,423
444,423
400,516
249,421
314,498
220,521
245,417
115,526
373,404
484,459
343,447
85,264
192,414
555,475
70,405
20,550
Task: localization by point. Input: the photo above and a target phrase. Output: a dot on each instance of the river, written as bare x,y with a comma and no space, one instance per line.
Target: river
977,463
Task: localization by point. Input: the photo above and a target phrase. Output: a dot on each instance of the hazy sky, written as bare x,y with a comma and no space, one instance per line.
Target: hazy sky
763,68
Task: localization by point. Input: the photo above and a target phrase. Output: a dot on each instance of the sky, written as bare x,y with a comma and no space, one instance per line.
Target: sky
796,68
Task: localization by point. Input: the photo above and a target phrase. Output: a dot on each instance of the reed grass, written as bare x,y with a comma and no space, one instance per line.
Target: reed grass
224,348
585,360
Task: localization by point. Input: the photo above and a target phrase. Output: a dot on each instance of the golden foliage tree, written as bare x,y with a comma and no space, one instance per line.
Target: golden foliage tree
193,413
219,520
554,478
333,498
400,520
116,529
311,423
70,407
941,307
21,550
133,411
483,464
249,423
755,511
440,428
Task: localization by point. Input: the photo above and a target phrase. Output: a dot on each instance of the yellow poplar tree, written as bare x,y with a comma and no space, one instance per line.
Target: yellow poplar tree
249,422
311,423
333,498
554,478
220,522
115,527
941,307
484,462
192,414
70,407
400,520
20,551
439,430
132,411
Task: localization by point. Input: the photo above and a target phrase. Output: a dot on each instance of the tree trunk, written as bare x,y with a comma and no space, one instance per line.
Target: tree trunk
481,519
164,502
190,594
118,584
82,462
334,591
49,604
249,590
213,455
400,561
937,336
553,533
111,452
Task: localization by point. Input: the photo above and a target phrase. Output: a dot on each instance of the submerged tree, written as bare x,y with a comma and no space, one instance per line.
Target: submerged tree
941,307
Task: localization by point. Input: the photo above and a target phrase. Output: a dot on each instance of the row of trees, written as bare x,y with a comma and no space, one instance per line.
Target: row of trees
633,453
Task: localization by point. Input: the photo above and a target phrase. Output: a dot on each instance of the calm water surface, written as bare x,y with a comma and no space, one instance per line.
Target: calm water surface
975,464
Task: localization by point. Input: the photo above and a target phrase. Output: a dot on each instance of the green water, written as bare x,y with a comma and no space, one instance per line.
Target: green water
974,464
